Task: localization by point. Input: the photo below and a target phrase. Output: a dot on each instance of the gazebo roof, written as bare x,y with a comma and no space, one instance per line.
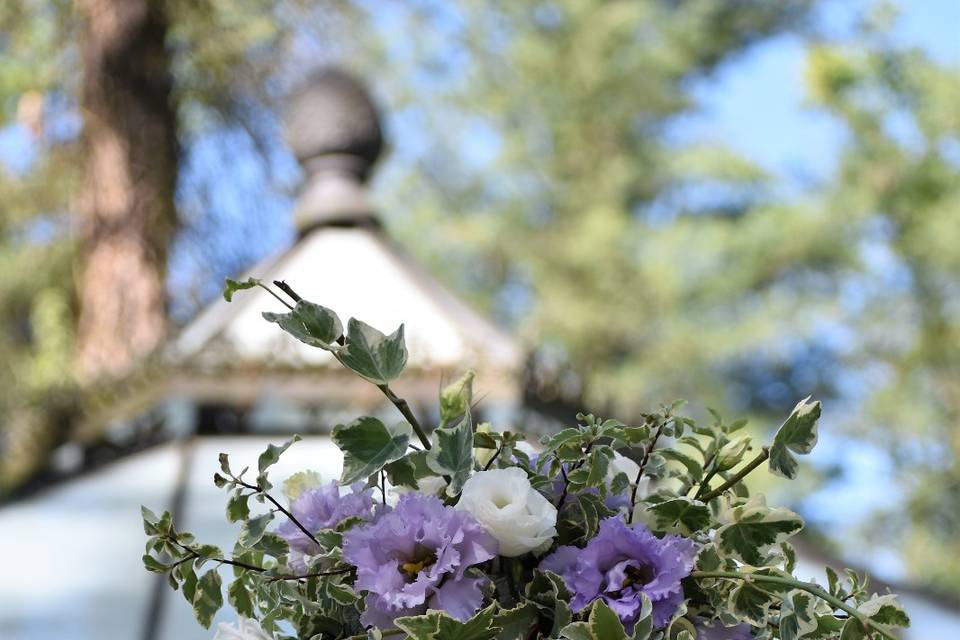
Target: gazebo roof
344,260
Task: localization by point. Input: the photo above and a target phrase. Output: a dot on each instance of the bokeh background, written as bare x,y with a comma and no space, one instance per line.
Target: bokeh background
740,203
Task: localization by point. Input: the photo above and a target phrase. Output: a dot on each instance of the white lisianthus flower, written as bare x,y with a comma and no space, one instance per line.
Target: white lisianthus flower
514,513
244,629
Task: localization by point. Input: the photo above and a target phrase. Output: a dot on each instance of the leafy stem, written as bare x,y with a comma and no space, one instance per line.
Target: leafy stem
740,475
404,409
812,589
493,457
194,555
398,402
279,507
643,464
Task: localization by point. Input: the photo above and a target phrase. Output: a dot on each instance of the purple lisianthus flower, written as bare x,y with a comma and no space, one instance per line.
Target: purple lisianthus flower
720,632
414,558
622,562
321,508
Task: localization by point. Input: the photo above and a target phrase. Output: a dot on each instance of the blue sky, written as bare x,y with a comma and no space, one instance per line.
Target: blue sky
756,103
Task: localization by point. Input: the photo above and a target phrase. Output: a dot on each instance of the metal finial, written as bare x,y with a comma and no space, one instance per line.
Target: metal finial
333,128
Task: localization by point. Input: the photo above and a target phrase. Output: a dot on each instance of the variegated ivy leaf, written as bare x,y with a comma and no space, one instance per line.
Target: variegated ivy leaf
751,603
754,528
798,434
548,592
437,625
311,324
240,599
371,354
268,458
452,453
515,623
885,610
797,615
683,512
253,529
367,446
694,468
602,624
207,597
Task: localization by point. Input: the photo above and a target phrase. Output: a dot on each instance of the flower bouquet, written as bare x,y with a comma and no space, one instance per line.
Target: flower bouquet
605,531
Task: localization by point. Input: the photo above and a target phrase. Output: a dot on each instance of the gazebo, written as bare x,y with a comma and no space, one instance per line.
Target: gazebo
232,382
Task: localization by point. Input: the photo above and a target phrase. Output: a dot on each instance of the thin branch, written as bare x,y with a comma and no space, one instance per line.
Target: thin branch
404,409
493,457
740,475
318,574
643,463
287,289
280,508
271,292
797,584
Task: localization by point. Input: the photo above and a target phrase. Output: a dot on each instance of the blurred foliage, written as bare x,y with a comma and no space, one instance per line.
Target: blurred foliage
650,266
898,195
225,57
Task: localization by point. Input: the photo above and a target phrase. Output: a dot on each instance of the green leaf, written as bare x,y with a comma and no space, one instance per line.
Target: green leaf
189,585
691,515
620,483
885,610
437,625
237,507
643,627
604,623
756,528
559,439
231,286
853,630
798,434
577,631
371,354
455,398
452,453
239,598
582,515
208,597
750,603
153,565
341,593
272,544
549,594
515,623
272,454
598,465
798,616
253,529
311,324
694,468
402,473
367,446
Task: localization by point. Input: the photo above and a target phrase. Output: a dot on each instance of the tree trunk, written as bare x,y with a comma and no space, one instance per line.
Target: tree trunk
126,202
